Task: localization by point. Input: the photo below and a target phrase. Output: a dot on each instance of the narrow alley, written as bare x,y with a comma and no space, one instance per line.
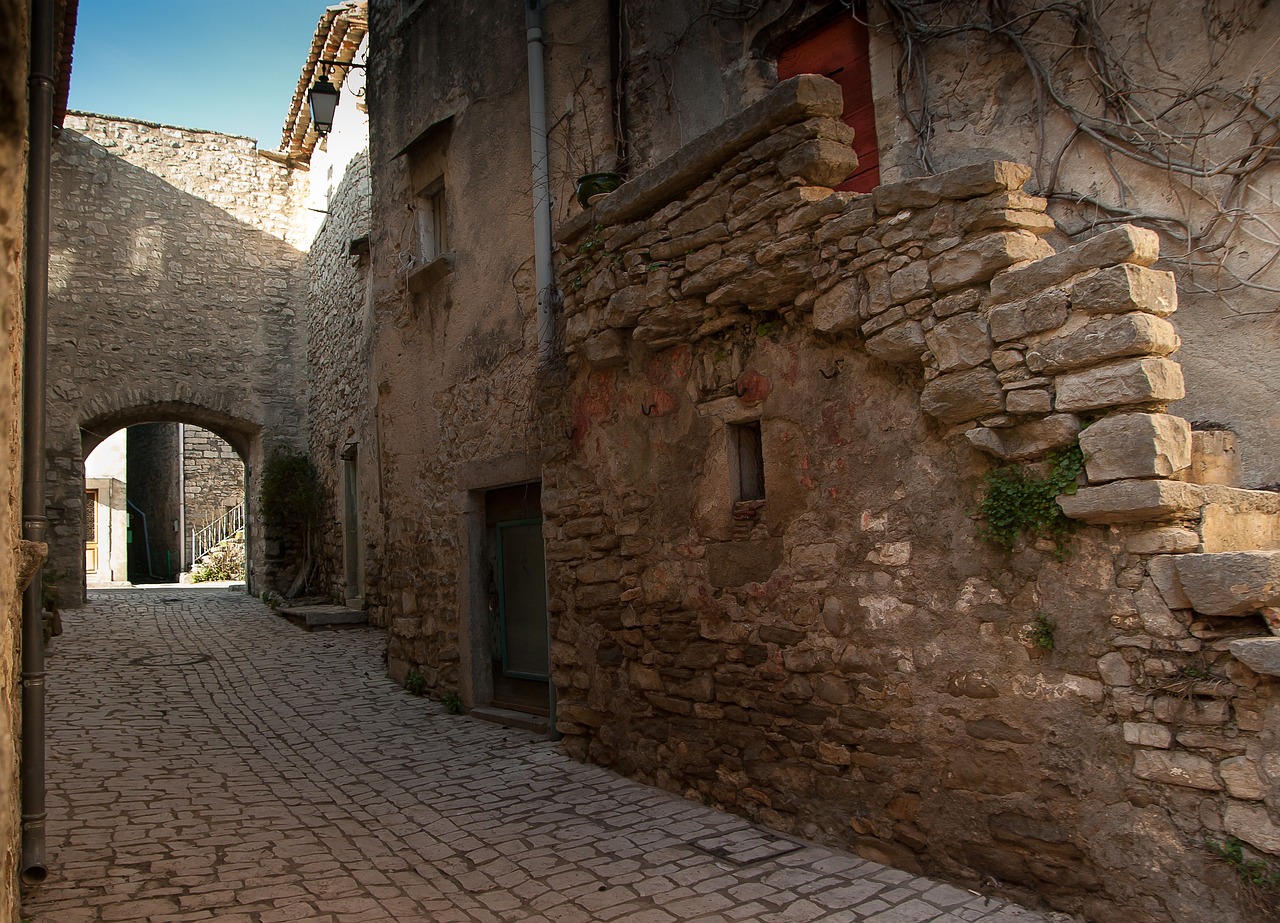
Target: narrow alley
210,761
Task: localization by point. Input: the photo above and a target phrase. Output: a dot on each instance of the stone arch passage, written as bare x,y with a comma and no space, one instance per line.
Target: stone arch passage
108,415
176,265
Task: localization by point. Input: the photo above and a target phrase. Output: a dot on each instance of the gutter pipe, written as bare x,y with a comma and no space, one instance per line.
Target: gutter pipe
543,277
40,84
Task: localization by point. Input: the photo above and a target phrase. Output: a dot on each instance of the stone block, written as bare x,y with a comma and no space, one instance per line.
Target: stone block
1029,401
1226,527
819,162
1261,655
962,396
960,342
1176,768
699,217
983,258
902,342
1230,583
967,182
1145,734
1042,311
1215,458
1026,441
909,282
1130,381
837,310
605,349
1243,778
1124,288
1136,445
1163,572
1253,825
1102,340
1131,501
1115,670
1125,244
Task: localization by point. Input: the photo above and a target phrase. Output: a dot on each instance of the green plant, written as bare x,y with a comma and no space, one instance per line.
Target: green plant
225,561
764,328
1259,878
1040,632
290,490
415,683
1018,501
452,703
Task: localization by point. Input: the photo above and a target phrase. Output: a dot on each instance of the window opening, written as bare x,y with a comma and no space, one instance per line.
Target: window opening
748,451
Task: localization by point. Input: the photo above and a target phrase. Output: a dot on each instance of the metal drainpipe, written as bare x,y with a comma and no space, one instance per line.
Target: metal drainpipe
34,522
182,497
543,277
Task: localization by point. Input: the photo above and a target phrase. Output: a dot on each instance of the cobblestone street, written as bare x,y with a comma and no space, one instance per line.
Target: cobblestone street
210,761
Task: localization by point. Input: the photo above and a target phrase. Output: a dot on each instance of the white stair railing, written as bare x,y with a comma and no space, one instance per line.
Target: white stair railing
219,530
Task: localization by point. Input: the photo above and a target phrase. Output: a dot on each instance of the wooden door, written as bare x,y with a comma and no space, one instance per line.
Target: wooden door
91,531
841,50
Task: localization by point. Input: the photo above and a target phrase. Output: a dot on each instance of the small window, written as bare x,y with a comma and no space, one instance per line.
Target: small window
433,225
747,450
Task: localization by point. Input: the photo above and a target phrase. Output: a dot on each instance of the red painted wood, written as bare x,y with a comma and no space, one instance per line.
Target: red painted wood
841,50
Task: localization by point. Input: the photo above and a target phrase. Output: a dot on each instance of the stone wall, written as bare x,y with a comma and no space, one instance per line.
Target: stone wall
847,658
176,270
339,358
212,479
13,172
155,497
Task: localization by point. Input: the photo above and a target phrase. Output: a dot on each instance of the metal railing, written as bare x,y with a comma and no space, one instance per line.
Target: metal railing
219,530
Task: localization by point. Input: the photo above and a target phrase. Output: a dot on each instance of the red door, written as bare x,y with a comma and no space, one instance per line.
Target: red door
840,50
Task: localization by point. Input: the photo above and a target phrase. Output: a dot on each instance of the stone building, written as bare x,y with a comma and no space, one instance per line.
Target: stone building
712,510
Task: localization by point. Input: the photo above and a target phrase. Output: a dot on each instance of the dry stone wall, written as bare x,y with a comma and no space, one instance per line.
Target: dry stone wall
13,173
846,658
176,267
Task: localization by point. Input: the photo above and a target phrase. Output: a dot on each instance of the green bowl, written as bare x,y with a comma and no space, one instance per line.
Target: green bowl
594,186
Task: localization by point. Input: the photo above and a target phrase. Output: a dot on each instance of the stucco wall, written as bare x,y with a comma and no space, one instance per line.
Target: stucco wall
13,172
176,269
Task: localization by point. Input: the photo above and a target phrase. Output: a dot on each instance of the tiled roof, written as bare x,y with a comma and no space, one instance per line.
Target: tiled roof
338,35
64,39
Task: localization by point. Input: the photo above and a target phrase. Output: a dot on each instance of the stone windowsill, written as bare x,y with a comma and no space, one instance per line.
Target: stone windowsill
423,276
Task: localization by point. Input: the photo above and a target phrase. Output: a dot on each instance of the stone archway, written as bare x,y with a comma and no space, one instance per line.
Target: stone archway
108,412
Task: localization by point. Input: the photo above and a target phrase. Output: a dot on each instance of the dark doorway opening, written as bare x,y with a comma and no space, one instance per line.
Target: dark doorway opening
517,599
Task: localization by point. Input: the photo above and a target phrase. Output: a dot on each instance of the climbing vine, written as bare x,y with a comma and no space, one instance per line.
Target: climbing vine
1021,502
1107,85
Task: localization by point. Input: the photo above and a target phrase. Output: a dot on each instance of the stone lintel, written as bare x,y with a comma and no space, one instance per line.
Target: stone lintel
1132,501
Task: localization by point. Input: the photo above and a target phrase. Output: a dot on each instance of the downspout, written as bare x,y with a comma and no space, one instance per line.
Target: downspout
34,522
543,278
182,500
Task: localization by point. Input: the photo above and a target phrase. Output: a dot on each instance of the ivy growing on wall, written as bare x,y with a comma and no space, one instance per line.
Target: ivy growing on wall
1021,502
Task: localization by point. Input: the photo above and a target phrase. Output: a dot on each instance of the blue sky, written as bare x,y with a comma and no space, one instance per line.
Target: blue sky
229,65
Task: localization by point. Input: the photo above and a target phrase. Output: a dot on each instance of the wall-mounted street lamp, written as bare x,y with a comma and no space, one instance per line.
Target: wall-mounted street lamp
322,98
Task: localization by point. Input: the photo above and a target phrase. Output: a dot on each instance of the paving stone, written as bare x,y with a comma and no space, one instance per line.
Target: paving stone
283,778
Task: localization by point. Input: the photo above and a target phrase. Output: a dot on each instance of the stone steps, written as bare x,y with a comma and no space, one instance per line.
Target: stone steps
313,617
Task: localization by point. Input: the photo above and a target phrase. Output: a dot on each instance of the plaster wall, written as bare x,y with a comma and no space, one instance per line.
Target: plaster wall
13,173
175,273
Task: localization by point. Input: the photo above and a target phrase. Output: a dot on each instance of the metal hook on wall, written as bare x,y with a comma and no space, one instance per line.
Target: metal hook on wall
835,370
648,409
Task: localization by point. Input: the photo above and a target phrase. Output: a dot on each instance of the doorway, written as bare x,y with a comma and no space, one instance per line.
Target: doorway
519,646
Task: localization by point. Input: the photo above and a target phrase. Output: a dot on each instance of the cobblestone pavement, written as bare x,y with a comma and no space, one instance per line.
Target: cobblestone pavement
210,761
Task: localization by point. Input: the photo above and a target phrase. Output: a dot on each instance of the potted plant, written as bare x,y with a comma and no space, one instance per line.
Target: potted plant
592,187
